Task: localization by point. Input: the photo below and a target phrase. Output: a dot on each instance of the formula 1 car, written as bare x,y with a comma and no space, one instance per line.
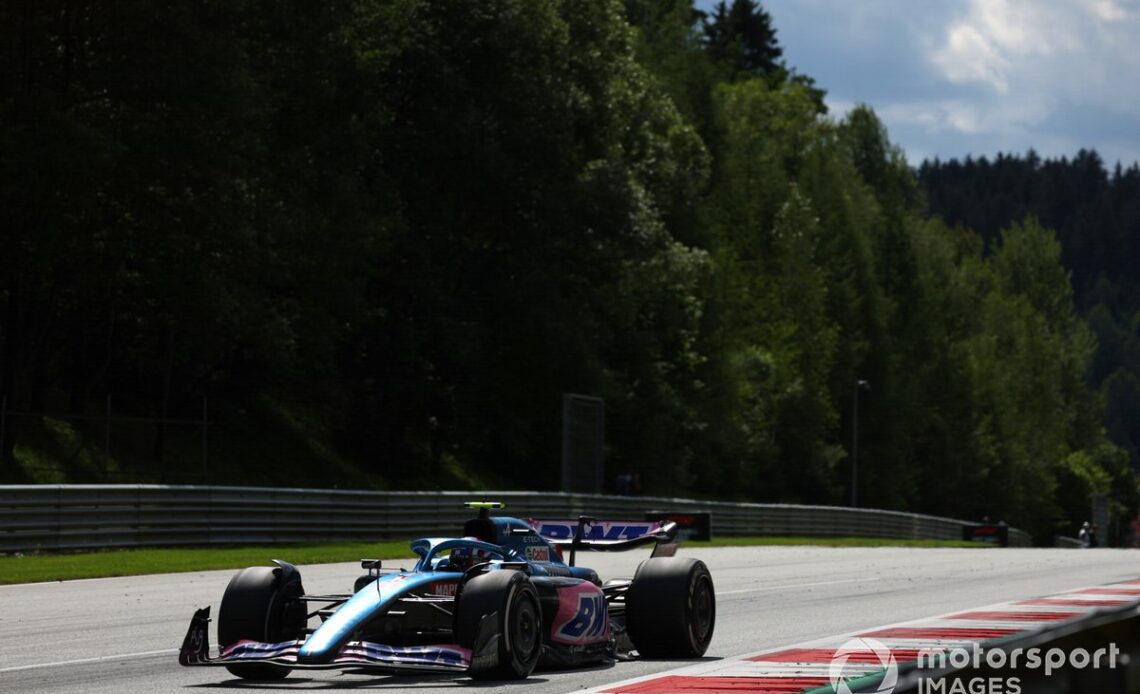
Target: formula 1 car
493,604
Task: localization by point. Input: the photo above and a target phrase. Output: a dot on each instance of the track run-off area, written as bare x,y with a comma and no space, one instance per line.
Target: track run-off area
122,634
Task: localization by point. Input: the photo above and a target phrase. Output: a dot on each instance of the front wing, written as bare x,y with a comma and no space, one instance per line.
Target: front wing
438,658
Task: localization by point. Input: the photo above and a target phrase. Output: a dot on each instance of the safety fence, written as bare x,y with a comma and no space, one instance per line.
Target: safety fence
1067,542
36,517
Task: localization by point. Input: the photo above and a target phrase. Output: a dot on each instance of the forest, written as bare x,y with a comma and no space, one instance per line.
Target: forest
1096,217
381,238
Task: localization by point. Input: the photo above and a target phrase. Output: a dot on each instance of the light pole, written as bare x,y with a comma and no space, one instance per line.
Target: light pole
860,384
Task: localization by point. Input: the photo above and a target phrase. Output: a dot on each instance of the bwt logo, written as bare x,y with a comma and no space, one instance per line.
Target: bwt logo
596,531
590,621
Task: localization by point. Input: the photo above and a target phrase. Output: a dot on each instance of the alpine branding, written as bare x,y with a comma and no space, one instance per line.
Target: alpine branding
599,530
588,623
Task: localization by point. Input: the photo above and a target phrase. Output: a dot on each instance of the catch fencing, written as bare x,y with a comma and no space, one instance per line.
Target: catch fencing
34,517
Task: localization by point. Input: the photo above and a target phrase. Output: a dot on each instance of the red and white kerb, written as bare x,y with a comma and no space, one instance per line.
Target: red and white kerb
804,667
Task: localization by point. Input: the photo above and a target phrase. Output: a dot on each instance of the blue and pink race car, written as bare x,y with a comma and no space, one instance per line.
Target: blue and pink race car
495,604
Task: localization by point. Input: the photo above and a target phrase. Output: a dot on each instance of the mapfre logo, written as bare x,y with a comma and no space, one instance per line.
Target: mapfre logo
845,666
448,588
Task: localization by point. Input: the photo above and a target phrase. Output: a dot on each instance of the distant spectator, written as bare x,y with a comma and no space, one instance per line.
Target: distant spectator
1083,535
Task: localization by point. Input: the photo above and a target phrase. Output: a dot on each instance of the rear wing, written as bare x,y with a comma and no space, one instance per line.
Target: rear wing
587,533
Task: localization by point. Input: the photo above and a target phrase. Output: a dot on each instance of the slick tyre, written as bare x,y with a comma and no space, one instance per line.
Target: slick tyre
260,605
671,608
509,599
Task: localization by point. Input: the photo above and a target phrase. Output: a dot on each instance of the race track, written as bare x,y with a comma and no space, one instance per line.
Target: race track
121,634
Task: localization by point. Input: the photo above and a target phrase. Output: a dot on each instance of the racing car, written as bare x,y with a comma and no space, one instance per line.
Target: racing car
495,603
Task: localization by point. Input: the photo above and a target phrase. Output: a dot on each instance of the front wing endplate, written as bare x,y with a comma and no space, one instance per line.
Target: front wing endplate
437,657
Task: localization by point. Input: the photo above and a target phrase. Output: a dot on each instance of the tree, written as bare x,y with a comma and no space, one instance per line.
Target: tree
742,38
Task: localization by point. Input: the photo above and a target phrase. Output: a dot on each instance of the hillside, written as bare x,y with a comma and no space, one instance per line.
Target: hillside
380,239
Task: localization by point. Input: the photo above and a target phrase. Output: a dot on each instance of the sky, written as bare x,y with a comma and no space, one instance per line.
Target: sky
951,78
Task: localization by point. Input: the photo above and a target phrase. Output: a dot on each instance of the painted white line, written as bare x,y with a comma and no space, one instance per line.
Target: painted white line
84,661
790,586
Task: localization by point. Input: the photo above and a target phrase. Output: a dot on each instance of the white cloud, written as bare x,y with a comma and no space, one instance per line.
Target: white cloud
951,77
1058,50
969,56
1108,10
968,116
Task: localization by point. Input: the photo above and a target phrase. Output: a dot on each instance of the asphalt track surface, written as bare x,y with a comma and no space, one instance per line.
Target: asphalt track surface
121,634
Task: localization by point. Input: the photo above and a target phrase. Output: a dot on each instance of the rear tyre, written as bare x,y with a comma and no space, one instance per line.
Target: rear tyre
511,599
260,604
670,608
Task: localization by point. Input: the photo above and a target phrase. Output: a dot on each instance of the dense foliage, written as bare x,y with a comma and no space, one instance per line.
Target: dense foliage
408,226
1096,216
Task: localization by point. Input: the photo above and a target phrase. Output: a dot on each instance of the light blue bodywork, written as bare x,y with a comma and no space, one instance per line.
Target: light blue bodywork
376,597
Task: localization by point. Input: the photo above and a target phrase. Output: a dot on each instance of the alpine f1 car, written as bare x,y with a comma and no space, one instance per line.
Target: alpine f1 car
493,604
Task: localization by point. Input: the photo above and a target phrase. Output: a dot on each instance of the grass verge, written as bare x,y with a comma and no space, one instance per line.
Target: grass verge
833,542
32,568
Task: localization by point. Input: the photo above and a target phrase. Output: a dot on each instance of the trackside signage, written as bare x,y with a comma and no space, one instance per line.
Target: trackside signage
995,534
691,525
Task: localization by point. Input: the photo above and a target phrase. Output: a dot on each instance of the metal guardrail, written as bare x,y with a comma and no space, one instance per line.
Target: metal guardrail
36,517
1019,538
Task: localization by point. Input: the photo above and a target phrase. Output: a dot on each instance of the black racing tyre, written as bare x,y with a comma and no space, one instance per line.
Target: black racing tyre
259,604
670,608
513,599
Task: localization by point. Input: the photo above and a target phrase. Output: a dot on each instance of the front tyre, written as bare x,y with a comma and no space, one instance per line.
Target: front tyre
670,608
509,598
260,604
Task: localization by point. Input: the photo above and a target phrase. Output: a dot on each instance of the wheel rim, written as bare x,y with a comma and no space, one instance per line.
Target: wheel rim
524,628
702,610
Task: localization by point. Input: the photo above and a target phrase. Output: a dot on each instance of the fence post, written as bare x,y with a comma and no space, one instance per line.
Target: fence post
3,421
205,442
107,440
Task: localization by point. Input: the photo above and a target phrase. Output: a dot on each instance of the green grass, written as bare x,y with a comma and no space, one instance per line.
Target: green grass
32,568
832,542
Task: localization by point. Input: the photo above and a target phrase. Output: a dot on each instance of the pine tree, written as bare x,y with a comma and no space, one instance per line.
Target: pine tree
742,37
